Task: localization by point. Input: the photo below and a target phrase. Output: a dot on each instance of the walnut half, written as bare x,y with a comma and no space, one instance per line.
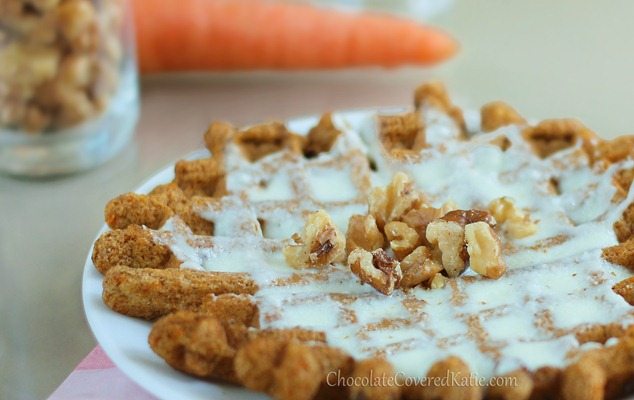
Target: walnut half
393,201
516,224
363,233
464,217
448,237
438,281
320,243
377,269
467,236
403,239
419,267
485,251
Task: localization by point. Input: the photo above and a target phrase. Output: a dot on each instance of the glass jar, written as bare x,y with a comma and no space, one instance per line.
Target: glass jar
68,84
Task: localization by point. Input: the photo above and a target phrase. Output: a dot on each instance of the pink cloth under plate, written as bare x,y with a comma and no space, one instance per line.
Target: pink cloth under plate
97,378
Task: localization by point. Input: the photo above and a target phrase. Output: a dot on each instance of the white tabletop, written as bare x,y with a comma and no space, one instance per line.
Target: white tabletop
549,59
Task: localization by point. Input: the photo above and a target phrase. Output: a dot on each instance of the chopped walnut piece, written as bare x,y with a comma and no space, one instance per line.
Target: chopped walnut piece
449,238
434,94
465,217
419,218
390,203
321,137
447,207
403,239
553,135
625,289
218,134
485,250
363,233
438,281
516,224
262,140
616,149
418,267
497,114
402,134
59,61
377,269
320,243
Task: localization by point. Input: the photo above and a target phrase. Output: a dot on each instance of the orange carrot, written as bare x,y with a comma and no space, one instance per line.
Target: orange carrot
177,35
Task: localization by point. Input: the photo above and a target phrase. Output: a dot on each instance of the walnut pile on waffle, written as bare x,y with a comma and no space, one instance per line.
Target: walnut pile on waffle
424,244
426,254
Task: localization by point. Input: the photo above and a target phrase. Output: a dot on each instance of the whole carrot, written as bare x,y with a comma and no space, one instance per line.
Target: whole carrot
260,34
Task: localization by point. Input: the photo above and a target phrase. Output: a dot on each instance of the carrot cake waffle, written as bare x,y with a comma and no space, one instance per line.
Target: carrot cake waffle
420,254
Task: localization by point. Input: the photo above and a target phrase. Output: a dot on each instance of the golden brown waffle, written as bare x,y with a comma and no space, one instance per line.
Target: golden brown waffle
558,197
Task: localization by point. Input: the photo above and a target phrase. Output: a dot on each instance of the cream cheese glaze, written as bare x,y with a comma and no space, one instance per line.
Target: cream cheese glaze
556,279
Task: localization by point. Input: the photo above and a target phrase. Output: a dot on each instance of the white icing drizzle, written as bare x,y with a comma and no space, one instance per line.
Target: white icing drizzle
556,279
